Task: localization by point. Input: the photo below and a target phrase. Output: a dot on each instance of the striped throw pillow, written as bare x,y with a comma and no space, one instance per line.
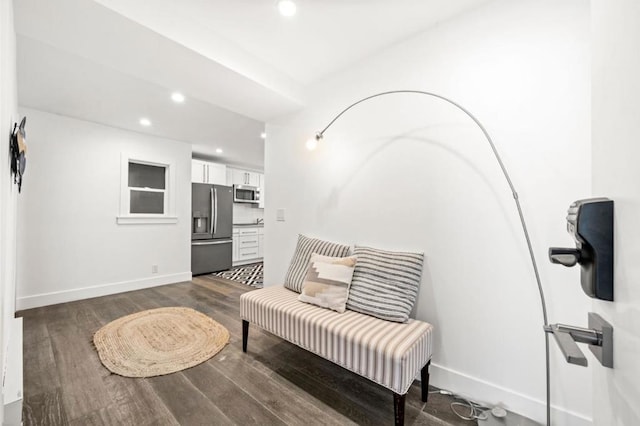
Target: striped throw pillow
385,283
300,261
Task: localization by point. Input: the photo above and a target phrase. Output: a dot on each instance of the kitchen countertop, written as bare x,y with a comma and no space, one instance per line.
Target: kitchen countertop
261,225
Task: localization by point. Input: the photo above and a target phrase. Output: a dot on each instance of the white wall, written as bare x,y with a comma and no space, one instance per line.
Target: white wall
8,191
616,150
8,114
413,173
69,245
246,213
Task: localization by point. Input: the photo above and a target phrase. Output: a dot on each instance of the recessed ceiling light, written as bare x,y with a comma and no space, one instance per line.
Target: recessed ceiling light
145,122
218,151
263,135
177,97
287,8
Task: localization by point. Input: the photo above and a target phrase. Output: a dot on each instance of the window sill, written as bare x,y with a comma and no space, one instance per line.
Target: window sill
145,220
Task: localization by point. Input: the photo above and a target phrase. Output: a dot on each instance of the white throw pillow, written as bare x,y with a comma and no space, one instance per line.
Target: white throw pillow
327,281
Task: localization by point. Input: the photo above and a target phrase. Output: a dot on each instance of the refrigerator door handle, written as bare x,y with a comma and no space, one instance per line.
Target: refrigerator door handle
215,214
210,243
212,213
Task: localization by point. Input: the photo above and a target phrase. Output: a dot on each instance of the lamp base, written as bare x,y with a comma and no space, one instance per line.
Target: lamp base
511,419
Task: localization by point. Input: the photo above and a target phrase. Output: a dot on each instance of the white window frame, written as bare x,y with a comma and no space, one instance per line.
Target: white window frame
126,217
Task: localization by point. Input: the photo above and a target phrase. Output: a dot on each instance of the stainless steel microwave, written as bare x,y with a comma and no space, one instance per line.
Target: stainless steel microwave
246,194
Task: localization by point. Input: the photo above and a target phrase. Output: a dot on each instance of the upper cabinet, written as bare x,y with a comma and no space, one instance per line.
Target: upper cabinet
248,178
206,172
243,177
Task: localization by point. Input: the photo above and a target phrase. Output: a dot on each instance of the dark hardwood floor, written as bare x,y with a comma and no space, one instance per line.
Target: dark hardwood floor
275,383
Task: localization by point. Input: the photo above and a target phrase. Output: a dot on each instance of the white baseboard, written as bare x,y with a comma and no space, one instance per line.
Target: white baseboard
490,393
44,299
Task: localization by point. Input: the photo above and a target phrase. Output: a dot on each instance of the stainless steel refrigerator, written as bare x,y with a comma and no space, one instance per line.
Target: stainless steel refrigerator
211,227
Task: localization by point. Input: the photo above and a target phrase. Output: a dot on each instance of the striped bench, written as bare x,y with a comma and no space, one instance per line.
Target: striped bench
388,353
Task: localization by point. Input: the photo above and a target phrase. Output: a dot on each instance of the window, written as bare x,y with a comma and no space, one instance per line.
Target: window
147,186
146,191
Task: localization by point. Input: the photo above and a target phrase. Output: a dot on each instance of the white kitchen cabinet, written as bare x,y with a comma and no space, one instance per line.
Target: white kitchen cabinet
206,172
243,177
248,248
247,244
249,230
261,246
198,173
236,239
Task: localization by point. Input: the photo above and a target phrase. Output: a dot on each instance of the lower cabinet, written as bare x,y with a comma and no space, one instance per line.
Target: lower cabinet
247,244
234,257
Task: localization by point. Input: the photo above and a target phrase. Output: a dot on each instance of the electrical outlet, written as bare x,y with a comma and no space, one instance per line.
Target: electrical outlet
280,215
154,269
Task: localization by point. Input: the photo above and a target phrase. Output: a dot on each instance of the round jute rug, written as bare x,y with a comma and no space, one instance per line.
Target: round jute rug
159,341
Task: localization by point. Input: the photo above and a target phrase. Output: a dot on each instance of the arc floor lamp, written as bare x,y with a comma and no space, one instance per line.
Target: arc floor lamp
311,144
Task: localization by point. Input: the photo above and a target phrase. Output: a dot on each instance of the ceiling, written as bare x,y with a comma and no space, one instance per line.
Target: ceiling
239,63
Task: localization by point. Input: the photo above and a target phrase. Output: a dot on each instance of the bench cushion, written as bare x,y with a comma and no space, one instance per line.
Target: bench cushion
388,353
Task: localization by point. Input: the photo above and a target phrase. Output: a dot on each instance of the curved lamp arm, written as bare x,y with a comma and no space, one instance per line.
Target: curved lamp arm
320,134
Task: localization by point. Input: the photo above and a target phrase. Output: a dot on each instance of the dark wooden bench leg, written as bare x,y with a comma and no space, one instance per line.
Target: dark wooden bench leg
398,408
398,400
245,335
424,380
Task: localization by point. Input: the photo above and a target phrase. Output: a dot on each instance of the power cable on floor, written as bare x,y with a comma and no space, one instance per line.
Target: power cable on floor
477,411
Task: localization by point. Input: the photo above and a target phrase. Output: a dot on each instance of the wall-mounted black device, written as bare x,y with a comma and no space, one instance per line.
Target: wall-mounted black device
590,223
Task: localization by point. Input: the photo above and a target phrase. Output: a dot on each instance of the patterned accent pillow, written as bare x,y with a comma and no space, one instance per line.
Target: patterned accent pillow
327,281
300,261
385,283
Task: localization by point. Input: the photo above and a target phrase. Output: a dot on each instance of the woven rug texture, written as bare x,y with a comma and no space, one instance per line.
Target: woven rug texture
251,274
159,341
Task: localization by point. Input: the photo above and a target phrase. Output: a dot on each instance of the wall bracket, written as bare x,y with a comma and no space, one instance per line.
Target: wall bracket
599,337
603,352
